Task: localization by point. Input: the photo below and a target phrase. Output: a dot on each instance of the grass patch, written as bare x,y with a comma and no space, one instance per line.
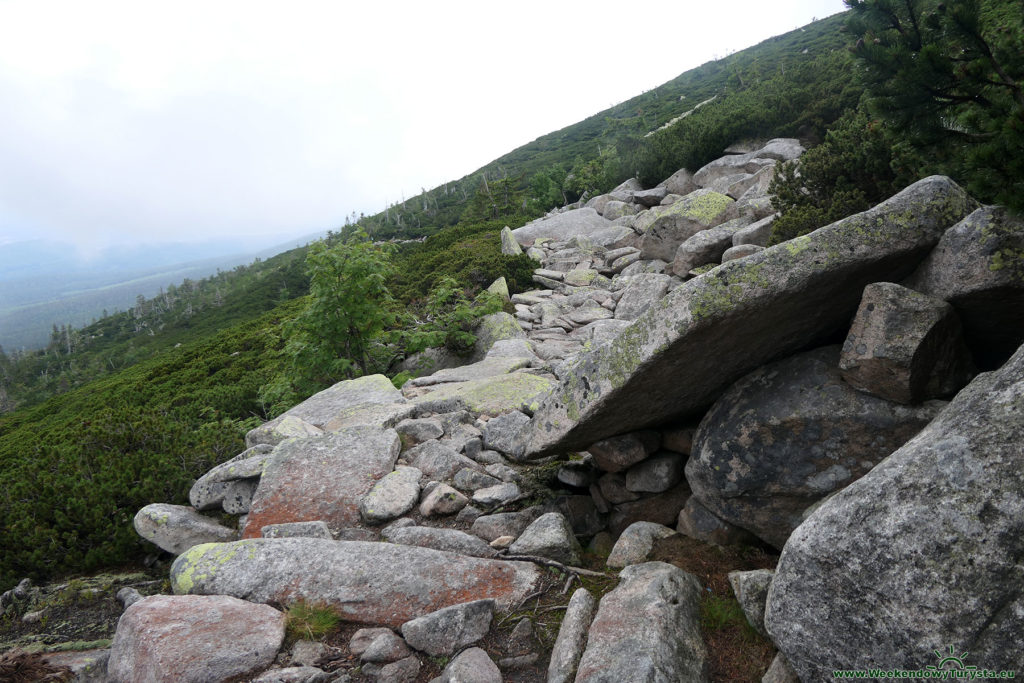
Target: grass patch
311,621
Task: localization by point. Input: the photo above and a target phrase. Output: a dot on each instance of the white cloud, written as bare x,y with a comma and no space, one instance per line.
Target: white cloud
122,120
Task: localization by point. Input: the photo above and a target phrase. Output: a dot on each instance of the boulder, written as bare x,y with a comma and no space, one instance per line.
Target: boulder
741,251
450,629
413,432
661,508
572,637
238,496
470,480
978,267
932,535
733,166
490,527
681,354
176,528
550,535
647,629
442,500
377,583
448,540
470,666
756,234
618,453
437,461
294,674
493,395
780,671
504,433
696,521
370,400
641,293
751,590
787,435
322,478
317,529
509,245
565,225
392,496
707,246
386,647
658,473
499,494
500,288
194,638
636,542
491,329
904,346
488,367
614,210
280,429
679,183
653,197
209,490
403,671
664,228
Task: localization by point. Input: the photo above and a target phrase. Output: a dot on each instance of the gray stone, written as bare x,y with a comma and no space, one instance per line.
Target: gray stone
494,328
621,452
437,461
635,543
581,512
309,652
578,475
511,348
627,642
780,671
696,521
756,234
503,472
904,346
364,637
731,166
392,496
176,528
662,508
932,535
678,439
680,183
613,488
322,478
442,500
283,428
317,529
448,540
386,647
370,400
658,473
741,251
488,367
500,288
651,197
413,432
504,433
498,494
238,496
614,210
572,637
128,596
448,630
788,434
294,674
403,671
492,395
471,666
509,245
680,355
706,246
666,227
490,527
751,590
642,292
377,583
978,267
551,536
209,490
472,480
584,221
192,638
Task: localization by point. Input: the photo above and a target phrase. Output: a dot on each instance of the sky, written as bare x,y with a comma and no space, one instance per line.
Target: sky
146,122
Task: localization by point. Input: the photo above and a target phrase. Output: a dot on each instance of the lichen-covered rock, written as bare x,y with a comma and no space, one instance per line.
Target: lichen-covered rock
681,354
787,435
370,400
647,629
550,535
492,395
664,228
978,267
209,490
756,234
751,590
740,251
679,183
280,429
315,529
378,583
176,528
509,245
448,540
572,637
706,246
194,639
641,293
562,226
450,629
442,500
488,367
904,346
391,497
322,478
932,535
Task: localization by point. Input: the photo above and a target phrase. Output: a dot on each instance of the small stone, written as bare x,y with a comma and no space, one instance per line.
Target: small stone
450,629
751,589
294,674
128,596
550,535
315,529
472,480
471,666
392,496
385,648
442,500
490,527
176,528
502,542
636,542
620,452
496,495
413,432
658,473
238,496
403,671
308,652
572,637
364,637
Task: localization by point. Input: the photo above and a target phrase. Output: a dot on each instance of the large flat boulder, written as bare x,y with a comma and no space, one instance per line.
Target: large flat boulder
194,639
685,350
647,629
664,228
563,226
176,528
370,400
922,553
787,435
376,583
322,478
491,395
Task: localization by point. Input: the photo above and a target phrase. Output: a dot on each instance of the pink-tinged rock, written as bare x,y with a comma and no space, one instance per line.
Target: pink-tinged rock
322,478
374,583
194,638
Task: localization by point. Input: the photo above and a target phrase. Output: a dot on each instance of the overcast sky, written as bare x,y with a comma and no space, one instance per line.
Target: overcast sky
146,121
